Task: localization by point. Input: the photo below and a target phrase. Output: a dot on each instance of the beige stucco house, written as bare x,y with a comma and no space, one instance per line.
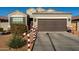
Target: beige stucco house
45,20
4,23
50,20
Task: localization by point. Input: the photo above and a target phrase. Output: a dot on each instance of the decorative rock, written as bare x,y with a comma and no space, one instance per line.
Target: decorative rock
28,45
33,38
28,35
28,40
24,34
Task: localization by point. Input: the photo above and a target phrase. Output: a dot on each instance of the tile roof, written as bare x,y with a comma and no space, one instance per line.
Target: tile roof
17,12
3,17
75,18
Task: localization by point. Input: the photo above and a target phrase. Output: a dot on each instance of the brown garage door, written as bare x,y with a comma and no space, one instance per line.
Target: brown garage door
52,25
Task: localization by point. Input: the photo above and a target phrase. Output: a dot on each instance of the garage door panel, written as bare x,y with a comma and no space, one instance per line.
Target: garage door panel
52,25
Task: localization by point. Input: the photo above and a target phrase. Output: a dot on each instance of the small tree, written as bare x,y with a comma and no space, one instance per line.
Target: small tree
16,42
18,29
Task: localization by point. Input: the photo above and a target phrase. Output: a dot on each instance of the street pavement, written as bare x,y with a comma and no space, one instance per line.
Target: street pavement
62,41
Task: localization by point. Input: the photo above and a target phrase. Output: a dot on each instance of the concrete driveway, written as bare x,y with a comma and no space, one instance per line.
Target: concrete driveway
42,43
56,41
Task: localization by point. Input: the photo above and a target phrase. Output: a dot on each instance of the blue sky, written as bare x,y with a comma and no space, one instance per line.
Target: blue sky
4,11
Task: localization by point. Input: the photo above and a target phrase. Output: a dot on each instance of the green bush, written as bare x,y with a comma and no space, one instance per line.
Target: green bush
16,42
1,29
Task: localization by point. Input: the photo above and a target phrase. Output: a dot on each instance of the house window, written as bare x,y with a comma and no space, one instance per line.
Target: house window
17,20
3,20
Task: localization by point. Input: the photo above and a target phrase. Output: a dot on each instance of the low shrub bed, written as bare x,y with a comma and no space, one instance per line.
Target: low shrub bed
16,42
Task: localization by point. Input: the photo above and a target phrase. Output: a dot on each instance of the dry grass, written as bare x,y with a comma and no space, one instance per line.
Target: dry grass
3,41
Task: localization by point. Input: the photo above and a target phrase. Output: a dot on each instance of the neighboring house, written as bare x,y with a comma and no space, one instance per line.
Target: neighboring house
51,20
75,23
4,23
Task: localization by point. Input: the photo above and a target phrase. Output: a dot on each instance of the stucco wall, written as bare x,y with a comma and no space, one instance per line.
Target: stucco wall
4,25
78,26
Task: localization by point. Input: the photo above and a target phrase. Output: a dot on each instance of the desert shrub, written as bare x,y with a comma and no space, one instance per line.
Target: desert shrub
16,42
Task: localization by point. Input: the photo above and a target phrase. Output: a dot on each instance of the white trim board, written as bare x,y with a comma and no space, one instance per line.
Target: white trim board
51,17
